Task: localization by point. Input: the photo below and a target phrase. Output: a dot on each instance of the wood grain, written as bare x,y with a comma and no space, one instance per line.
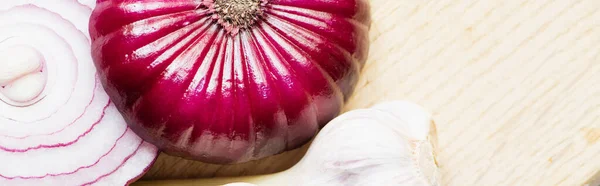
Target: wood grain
514,87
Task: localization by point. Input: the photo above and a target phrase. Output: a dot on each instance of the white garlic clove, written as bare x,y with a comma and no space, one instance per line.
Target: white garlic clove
410,119
384,145
416,123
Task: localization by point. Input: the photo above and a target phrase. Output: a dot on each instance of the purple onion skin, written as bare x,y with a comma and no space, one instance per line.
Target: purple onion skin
196,91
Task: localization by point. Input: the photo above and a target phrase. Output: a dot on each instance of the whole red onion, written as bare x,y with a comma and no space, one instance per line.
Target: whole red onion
228,81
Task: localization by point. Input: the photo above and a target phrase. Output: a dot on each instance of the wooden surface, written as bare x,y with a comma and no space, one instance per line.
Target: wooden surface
514,87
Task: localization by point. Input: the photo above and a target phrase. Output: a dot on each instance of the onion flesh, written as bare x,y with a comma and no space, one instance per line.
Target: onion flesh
57,124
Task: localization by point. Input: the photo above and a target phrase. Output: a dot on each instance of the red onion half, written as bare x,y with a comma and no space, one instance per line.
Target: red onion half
57,124
228,81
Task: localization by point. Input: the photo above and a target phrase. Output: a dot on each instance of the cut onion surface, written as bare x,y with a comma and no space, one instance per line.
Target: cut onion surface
57,124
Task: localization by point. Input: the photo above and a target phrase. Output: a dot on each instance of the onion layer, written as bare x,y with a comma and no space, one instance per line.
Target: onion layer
57,124
229,81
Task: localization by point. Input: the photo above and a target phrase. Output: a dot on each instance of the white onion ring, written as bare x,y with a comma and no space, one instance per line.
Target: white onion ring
57,125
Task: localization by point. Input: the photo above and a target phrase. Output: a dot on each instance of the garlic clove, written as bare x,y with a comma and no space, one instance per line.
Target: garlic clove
384,145
417,121
410,118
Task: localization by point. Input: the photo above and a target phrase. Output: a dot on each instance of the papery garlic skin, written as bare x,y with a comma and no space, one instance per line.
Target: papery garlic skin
387,144
417,123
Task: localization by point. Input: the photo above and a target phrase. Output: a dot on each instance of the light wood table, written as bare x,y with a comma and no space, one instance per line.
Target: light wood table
514,87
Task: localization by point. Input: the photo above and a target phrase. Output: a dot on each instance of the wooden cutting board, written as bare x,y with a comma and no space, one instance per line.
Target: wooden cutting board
514,87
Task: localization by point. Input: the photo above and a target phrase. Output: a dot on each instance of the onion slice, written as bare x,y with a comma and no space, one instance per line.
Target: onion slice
57,124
